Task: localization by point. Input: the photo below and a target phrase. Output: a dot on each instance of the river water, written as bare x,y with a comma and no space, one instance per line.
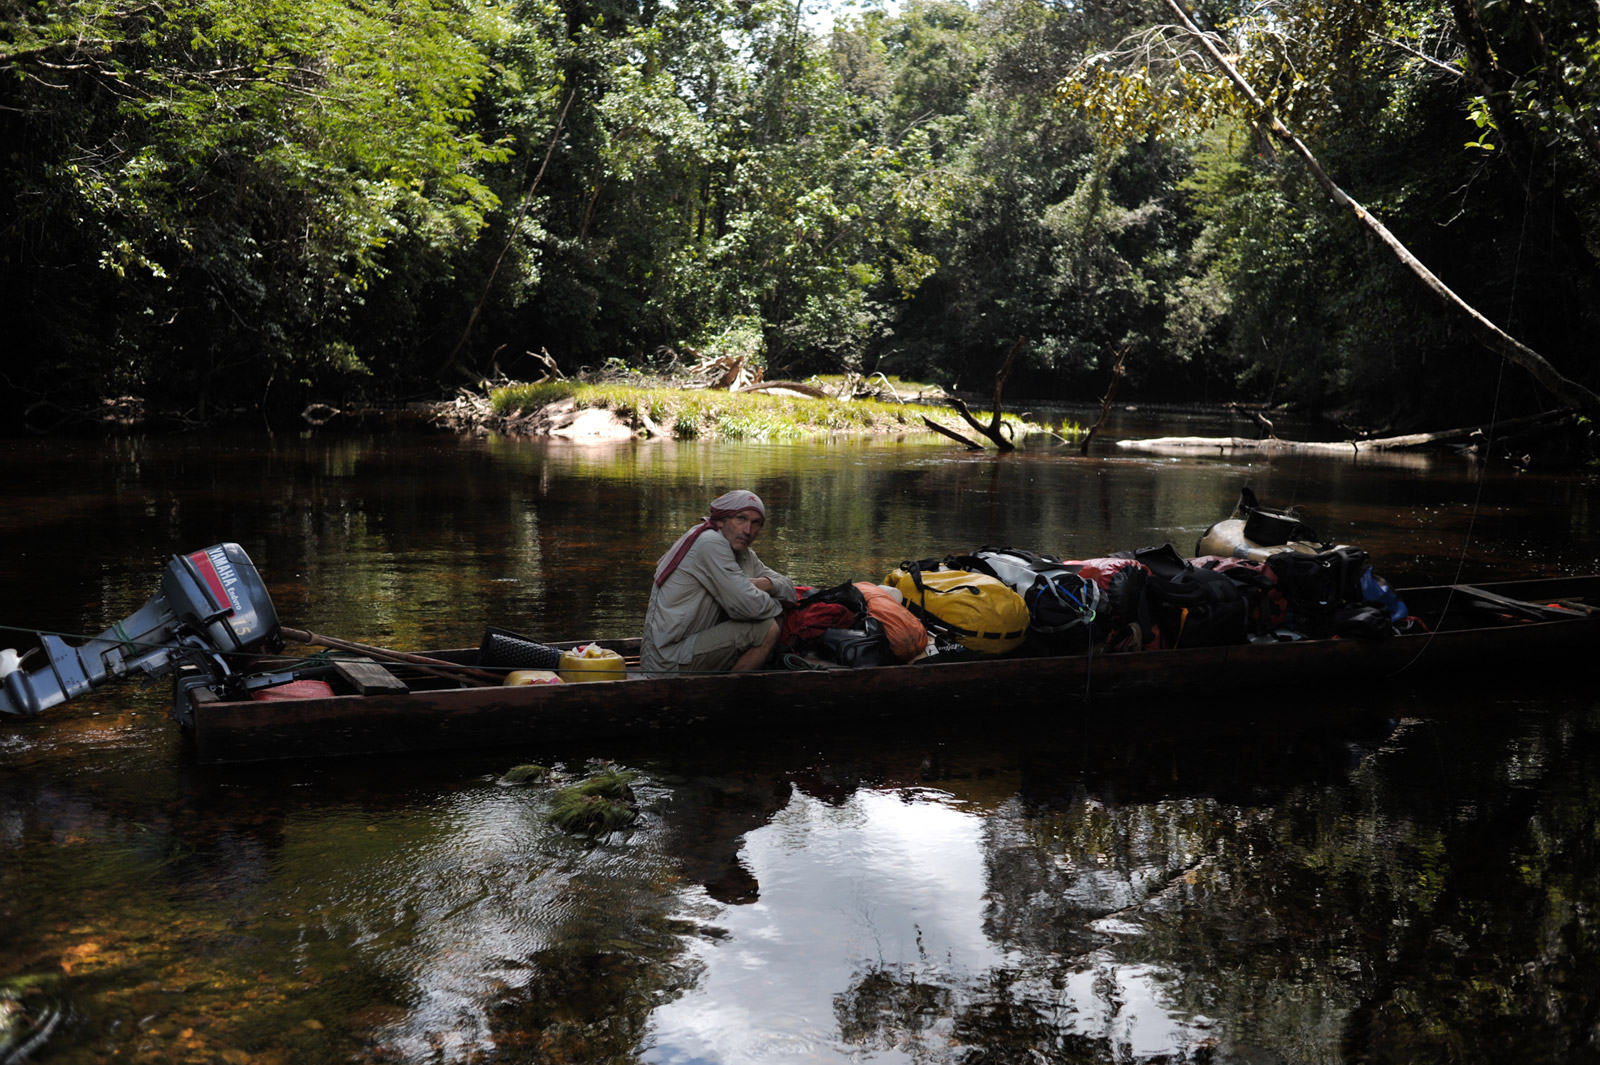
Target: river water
1386,876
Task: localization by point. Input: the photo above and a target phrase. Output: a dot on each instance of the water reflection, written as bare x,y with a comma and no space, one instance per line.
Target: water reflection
1399,879
932,927
1237,910
422,539
884,887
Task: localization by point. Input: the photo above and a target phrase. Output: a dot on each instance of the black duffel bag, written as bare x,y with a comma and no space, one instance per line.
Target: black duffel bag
866,645
1317,584
1189,605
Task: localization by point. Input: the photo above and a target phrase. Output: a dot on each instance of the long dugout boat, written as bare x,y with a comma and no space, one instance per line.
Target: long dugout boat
1480,635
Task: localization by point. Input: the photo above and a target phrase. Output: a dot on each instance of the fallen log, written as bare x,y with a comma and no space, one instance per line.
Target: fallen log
786,386
1353,447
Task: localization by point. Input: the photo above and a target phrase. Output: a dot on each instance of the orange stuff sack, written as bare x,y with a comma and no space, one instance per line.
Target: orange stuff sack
907,637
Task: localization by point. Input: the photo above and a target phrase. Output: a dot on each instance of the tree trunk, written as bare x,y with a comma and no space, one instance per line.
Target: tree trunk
1105,404
1490,335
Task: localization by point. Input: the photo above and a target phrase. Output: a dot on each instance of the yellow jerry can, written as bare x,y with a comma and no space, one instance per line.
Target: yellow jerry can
591,662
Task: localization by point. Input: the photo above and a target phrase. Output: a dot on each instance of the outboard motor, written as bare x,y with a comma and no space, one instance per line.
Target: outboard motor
213,607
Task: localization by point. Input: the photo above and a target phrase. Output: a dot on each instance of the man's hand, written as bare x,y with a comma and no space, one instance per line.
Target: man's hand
763,584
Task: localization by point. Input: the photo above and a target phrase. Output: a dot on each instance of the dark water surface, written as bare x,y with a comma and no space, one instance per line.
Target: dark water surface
1388,877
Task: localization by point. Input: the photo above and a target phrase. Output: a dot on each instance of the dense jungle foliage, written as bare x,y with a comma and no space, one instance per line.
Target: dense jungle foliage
215,205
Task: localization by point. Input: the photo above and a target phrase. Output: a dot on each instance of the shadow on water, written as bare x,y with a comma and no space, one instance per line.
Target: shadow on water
1407,878
1146,887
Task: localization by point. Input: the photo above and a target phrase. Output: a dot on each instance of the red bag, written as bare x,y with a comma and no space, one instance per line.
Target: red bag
808,621
1123,580
295,689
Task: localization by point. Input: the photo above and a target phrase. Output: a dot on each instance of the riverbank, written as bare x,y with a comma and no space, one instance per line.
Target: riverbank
596,411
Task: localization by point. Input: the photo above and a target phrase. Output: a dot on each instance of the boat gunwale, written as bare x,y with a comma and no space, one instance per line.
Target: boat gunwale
1175,657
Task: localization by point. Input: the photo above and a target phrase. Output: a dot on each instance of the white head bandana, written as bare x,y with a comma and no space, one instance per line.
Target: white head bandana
724,506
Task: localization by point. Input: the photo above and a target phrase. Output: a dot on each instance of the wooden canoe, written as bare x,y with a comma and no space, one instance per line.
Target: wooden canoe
1537,633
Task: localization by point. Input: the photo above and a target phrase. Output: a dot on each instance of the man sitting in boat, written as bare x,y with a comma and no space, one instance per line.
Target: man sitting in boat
713,604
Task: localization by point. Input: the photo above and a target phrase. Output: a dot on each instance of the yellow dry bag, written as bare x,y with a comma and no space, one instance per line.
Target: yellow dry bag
976,610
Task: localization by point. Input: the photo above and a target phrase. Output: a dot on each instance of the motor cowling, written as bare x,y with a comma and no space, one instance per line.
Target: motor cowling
218,593
212,613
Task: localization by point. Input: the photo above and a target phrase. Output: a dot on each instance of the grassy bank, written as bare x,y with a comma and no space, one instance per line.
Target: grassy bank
690,413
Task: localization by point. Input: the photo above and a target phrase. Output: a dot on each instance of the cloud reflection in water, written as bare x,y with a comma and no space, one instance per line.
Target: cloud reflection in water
869,939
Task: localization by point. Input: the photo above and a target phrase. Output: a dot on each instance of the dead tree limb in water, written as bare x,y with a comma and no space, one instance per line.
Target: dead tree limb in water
992,430
1256,416
1490,335
971,445
1105,404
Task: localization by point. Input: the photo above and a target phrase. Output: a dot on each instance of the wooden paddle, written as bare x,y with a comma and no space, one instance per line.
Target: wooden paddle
436,666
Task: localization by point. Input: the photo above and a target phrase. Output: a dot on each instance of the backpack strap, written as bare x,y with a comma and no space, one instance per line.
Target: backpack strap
1039,563
972,564
915,570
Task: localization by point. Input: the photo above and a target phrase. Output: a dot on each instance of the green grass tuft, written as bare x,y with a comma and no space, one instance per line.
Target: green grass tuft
521,774
597,806
692,413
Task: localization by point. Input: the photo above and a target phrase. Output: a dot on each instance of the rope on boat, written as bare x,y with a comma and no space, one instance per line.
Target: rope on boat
121,640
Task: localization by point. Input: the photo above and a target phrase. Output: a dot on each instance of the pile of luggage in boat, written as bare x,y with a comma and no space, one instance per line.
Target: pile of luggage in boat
1259,576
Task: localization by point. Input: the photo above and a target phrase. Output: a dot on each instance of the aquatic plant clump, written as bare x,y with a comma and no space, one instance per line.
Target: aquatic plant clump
523,774
598,806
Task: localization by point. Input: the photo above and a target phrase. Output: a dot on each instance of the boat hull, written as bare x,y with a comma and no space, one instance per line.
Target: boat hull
1533,646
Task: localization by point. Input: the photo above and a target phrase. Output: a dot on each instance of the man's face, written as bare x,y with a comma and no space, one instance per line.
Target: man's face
742,528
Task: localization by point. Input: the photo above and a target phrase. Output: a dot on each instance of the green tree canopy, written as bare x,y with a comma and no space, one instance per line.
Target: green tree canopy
219,206
205,192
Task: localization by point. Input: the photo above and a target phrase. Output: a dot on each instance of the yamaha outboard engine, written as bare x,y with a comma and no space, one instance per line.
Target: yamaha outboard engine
213,612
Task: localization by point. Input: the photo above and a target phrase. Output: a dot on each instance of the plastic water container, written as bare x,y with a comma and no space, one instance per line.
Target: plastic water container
591,662
519,677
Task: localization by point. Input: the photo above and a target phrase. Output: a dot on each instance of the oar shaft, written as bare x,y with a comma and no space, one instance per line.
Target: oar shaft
383,653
